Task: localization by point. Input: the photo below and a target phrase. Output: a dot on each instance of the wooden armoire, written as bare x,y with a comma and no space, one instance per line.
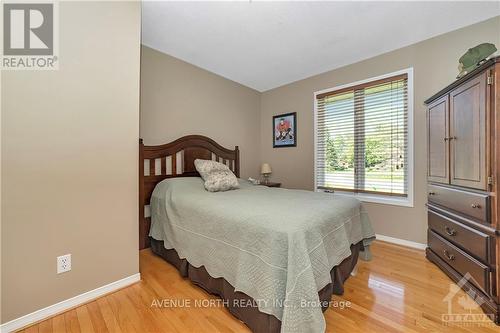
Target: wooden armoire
463,171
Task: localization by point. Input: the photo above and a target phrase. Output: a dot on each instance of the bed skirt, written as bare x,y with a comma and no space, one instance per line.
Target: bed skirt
257,321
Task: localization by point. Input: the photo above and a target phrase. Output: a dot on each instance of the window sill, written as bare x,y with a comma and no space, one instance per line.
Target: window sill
380,199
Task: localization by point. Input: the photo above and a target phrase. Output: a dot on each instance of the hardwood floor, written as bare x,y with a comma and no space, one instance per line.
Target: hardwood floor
399,290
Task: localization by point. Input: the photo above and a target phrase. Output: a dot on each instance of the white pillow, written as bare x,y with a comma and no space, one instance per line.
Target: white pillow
217,176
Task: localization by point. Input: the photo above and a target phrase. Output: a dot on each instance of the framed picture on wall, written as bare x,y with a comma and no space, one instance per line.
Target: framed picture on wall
285,130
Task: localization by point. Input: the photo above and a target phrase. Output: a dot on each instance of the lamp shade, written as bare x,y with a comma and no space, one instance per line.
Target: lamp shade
265,169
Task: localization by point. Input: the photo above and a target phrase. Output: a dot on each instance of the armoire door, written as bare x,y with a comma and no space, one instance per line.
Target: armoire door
468,134
437,141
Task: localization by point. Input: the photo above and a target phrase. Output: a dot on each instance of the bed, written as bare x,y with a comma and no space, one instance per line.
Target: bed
275,256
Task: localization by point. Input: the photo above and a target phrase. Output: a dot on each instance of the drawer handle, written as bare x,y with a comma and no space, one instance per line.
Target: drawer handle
476,206
449,231
432,193
448,255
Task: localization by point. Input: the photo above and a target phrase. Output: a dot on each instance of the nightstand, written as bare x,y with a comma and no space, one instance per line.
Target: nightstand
271,184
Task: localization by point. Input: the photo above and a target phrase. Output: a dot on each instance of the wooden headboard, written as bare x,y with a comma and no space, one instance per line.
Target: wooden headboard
175,159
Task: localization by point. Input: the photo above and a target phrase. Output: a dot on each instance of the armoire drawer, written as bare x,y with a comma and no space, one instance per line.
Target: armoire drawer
473,241
460,261
472,204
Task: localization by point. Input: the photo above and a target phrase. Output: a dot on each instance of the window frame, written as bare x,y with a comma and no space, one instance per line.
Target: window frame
407,201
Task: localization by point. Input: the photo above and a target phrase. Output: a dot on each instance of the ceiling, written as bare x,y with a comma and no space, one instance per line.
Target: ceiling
264,45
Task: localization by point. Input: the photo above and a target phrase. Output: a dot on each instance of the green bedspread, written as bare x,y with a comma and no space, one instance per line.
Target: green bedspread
275,245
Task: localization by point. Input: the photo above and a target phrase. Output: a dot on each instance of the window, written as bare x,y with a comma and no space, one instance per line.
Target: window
362,139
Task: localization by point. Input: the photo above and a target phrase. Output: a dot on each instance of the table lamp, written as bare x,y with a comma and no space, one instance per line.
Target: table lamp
265,170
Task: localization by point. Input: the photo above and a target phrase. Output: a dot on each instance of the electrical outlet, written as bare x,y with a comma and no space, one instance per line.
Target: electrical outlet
63,263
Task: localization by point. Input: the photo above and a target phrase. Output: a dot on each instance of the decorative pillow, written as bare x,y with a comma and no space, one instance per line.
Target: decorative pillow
217,176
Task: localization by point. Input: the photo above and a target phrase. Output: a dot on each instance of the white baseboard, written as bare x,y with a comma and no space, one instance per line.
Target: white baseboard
403,242
67,304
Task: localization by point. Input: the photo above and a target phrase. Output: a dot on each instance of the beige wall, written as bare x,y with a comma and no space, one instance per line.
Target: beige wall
435,65
69,161
178,99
